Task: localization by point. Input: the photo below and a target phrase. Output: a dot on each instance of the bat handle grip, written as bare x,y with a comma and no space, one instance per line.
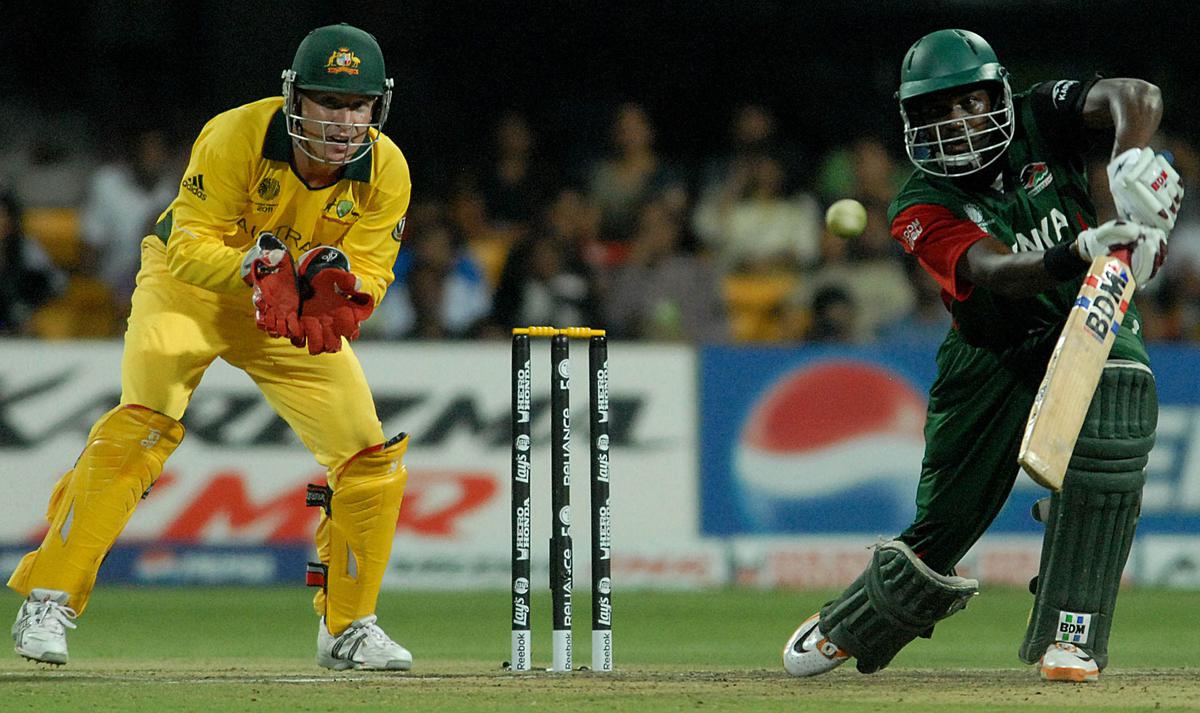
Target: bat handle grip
1123,254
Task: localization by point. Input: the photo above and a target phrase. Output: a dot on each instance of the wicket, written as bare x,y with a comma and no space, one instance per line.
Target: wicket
561,553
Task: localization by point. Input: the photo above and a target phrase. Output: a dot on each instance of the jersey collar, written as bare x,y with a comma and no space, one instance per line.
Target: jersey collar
277,146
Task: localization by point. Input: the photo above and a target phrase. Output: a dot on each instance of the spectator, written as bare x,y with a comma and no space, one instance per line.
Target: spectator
753,135
929,319
864,170
50,168
835,317
489,242
665,291
576,221
756,224
124,199
547,278
869,271
515,184
869,268
633,175
28,278
440,291
1170,304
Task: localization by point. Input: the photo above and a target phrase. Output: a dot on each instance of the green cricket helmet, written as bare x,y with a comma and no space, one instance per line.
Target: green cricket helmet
945,61
341,59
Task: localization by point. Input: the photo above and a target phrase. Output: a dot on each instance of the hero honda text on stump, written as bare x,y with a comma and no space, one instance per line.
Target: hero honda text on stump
561,550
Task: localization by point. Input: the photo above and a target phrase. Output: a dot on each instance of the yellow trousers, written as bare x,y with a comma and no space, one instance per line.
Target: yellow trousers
175,332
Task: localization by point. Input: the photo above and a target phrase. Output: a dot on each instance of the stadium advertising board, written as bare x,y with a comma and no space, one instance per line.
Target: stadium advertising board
230,503
720,475
811,455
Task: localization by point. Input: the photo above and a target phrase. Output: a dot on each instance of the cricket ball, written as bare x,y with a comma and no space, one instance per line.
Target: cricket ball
846,218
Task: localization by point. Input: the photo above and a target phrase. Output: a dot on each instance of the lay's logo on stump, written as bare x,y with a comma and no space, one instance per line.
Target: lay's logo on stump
1102,303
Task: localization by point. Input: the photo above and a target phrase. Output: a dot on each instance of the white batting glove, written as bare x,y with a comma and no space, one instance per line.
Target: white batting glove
1147,246
1149,255
1146,188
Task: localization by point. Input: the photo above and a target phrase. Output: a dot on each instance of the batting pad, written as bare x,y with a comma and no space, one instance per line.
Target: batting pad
355,538
1091,522
93,501
895,600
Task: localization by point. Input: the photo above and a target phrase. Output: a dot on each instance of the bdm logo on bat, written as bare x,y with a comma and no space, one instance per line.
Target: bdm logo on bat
1103,303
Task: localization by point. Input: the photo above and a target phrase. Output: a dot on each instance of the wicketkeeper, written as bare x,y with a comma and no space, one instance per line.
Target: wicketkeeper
999,214
278,246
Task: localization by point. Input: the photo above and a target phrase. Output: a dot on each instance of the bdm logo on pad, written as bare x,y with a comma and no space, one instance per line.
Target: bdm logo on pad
822,431
1072,627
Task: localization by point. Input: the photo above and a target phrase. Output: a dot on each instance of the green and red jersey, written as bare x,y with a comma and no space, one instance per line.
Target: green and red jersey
1038,198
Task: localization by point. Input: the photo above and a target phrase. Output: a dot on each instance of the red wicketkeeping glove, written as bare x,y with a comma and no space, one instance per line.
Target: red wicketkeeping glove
332,306
269,269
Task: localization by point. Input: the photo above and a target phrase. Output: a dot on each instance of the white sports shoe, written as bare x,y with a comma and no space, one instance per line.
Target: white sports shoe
809,652
40,631
363,645
1068,662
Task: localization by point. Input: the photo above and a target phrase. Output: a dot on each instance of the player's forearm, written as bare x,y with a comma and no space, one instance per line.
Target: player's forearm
1133,108
1011,275
204,263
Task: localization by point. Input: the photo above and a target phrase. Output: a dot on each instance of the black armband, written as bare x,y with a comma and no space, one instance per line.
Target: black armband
1062,262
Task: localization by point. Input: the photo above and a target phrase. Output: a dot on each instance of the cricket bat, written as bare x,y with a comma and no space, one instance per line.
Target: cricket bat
1062,401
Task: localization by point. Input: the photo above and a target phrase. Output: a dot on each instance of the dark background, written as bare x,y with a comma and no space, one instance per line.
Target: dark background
827,68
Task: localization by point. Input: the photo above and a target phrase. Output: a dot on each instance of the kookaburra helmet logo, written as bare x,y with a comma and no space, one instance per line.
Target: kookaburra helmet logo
344,60
955,60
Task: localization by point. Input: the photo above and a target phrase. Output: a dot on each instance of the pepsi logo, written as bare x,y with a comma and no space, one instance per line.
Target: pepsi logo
831,426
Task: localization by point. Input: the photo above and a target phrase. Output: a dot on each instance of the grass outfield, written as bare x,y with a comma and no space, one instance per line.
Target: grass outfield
240,649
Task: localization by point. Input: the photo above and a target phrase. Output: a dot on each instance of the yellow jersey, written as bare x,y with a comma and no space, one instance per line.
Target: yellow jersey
240,182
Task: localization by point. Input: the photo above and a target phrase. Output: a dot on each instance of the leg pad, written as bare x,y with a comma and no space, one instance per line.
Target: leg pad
93,501
895,600
354,540
1090,524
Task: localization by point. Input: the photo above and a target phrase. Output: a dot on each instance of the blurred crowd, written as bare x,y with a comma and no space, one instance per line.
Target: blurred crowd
732,248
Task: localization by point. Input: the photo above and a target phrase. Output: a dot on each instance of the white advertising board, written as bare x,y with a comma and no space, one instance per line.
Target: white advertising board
230,504
238,478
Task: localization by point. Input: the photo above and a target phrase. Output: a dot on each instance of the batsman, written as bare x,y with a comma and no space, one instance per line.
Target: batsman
279,244
999,213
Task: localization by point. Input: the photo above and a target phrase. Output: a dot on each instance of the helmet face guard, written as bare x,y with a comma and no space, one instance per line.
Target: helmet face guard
338,59
928,145
307,133
950,61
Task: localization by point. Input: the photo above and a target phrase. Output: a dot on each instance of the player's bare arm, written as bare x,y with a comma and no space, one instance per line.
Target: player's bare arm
989,264
1145,187
993,266
1131,107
